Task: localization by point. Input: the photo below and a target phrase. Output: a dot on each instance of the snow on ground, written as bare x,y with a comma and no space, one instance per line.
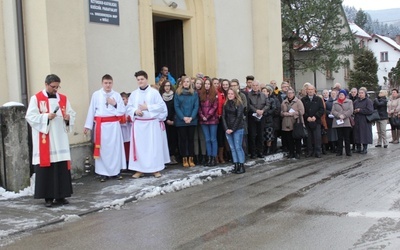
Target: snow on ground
29,191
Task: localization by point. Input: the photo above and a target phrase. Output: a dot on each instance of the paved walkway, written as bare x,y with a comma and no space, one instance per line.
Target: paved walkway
25,214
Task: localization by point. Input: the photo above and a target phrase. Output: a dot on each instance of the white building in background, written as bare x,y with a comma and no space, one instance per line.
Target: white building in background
385,49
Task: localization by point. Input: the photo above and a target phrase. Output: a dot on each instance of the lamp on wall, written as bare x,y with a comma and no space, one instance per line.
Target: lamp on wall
171,4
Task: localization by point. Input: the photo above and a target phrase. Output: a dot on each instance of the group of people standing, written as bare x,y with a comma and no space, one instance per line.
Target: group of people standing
198,120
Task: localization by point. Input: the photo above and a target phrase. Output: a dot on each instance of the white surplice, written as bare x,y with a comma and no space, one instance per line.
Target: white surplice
56,128
148,132
112,156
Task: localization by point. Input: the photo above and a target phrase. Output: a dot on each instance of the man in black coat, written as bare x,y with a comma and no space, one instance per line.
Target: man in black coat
313,111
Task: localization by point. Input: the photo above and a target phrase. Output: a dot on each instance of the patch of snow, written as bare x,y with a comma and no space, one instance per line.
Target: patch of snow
70,217
375,214
28,191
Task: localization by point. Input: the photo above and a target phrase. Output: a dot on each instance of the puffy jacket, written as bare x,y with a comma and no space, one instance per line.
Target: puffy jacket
186,105
232,116
209,110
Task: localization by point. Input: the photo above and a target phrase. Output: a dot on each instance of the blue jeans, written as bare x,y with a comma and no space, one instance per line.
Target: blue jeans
235,141
210,134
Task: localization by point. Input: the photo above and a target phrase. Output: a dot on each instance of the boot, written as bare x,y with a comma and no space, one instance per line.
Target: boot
185,162
358,148
191,162
235,168
241,169
323,149
204,160
196,159
396,136
207,160
173,160
212,161
364,150
221,155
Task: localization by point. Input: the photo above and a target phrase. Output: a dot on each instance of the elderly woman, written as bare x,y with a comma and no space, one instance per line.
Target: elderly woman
292,108
362,130
332,133
380,104
393,111
342,109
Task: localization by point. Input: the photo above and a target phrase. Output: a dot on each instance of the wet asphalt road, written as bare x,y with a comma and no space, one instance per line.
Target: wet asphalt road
328,203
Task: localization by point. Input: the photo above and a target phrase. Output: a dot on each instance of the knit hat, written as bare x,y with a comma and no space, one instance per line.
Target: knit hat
343,91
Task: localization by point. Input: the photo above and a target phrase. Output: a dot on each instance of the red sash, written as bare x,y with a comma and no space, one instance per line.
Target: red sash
97,141
44,139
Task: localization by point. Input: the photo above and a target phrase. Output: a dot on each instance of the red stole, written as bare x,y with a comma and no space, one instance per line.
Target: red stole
44,139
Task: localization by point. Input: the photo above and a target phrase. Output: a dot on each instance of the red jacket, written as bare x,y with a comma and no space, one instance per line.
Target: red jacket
221,102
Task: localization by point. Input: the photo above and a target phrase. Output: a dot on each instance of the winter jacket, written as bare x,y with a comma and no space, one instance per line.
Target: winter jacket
232,116
290,118
362,130
313,108
394,106
221,102
380,104
208,110
257,101
186,105
269,115
345,109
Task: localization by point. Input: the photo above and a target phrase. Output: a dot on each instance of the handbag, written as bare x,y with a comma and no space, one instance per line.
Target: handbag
394,121
299,130
374,116
352,122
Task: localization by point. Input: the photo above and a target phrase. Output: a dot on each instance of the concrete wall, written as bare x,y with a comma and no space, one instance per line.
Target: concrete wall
113,49
234,30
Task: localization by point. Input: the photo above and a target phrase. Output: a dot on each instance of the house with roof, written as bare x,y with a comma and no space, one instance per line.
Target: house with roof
322,79
385,49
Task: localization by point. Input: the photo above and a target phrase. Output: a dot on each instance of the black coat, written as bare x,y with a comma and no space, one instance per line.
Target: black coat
380,104
313,108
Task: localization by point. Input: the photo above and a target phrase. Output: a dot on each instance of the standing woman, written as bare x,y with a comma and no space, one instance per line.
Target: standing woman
232,120
380,104
186,107
332,133
199,139
362,130
292,108
221,89
342,109
208,118
269,131
167,93
393,111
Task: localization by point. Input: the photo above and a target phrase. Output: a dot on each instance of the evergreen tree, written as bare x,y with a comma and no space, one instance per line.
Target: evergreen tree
361,19
394,76
318,27
365,71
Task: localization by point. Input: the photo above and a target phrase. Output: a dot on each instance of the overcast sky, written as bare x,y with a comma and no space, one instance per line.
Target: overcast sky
373,4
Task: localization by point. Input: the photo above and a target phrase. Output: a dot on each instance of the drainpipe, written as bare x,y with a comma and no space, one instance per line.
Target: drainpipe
21,50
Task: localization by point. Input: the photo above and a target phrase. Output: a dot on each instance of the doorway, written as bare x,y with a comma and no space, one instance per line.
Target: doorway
168,45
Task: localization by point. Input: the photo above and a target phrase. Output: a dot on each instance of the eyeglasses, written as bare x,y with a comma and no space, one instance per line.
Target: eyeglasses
55,87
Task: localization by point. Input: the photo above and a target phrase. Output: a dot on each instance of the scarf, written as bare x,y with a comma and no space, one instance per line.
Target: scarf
167,96
341,101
